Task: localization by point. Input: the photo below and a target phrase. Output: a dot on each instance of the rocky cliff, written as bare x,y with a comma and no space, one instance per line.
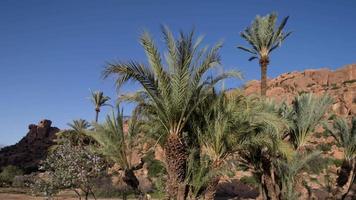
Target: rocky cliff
339,84
30,149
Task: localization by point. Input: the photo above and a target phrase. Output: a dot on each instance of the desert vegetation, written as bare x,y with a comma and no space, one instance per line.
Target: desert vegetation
207,133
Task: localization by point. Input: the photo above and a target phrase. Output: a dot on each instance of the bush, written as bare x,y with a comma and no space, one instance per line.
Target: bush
44,186
8,174
249,180
338,162
318,164
22,181
156,168
324,147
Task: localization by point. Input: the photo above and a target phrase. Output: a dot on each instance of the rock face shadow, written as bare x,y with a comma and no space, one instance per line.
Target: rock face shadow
234,189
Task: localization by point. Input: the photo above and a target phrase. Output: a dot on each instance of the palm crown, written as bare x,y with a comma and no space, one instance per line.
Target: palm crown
99,99
306,112
114,142
174,90
264,36
345,135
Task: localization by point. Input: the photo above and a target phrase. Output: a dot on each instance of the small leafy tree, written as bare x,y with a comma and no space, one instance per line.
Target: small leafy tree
72,167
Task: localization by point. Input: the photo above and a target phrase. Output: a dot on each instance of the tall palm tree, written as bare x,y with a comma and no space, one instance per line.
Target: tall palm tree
99,99
117,145
264,37
174,89
345,136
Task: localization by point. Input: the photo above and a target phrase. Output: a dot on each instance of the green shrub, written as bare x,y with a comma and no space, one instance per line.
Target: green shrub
22,181
324,147
249,180
318,164
337,162
319,134
156,168
8,174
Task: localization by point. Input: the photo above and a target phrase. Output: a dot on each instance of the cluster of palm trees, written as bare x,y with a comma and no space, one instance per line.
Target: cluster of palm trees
206,131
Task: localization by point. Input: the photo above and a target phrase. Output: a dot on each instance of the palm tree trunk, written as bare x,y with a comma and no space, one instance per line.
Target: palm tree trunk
97,115
131,180
263,63
176,158
269,186
345,179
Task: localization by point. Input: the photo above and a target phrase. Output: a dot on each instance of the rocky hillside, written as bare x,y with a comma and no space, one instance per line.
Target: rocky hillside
30,149
340,84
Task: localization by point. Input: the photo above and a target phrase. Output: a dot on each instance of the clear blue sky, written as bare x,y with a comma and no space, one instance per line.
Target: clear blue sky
52,52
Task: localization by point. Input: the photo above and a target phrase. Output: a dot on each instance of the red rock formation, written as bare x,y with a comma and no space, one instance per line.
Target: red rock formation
339,84
30,149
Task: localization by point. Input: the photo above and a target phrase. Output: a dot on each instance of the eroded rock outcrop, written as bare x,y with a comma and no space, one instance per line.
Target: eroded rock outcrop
339,84
30,149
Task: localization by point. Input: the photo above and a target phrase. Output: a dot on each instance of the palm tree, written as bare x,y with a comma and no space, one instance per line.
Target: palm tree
304,115
345,136
289,174
173,92
98,100
264,37
117,144
262,129
232,124
76,133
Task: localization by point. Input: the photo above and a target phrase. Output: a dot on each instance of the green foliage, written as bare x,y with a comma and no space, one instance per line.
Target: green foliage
337,162
324,147
70,167
99,99
75,135
199,173
345,135
8,174
113,142
44,186
172,92
249,180
156,168
306,112
288,171
264,36
318,164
